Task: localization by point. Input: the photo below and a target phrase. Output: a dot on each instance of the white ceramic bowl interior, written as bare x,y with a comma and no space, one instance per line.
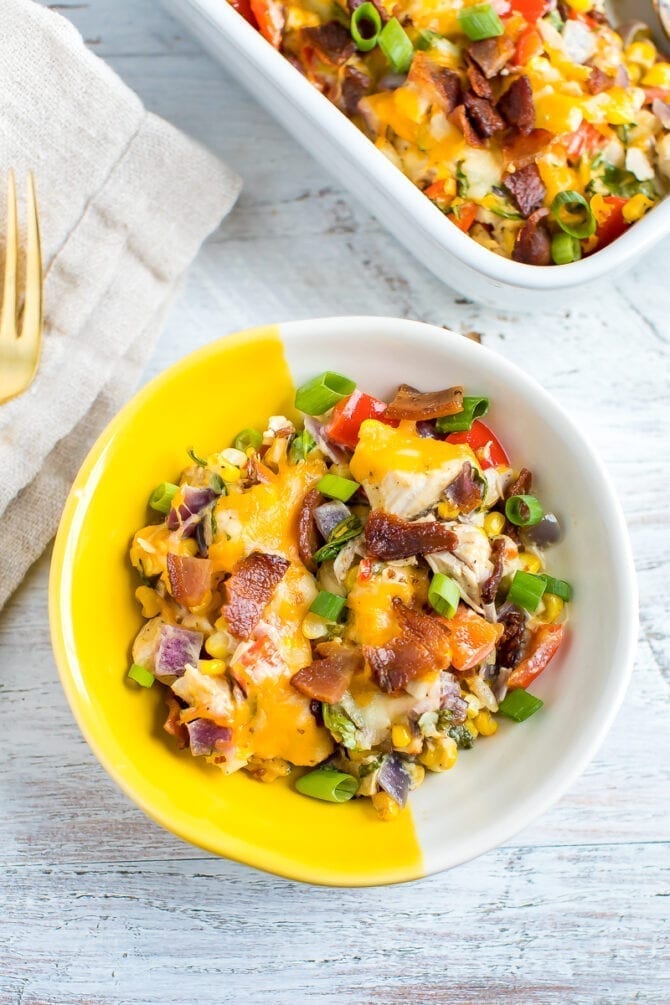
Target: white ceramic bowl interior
396,202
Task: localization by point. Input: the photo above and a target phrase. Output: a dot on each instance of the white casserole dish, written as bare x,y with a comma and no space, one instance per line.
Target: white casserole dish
347,153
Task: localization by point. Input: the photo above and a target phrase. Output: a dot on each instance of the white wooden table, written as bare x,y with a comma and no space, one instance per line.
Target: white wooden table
98,905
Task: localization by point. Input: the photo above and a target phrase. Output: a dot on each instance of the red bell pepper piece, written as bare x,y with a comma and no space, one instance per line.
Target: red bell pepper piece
243,7
531,10
348,414
544,642
270,17
529,44
464,216
586,140
483,443
614,225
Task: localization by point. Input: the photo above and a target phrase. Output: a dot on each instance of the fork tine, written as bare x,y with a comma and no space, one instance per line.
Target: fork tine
31,329
9,301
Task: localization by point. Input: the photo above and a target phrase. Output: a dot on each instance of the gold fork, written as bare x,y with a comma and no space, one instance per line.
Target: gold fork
20,350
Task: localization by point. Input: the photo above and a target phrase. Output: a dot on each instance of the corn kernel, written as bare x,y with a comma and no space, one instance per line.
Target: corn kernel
439,753
314,627
387,808
150,601
581,6
529,562
351,577
553,607
211,668
485,723
471,728
600,209
416,773
189,546
217,645
231,455
636,207
447,510
400,735
204,606
643,53
493,524
634,72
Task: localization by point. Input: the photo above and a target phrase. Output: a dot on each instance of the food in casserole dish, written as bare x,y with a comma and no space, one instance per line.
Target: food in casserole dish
533,125
359,592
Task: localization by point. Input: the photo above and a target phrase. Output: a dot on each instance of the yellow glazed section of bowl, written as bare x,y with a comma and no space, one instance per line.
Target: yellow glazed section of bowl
201,402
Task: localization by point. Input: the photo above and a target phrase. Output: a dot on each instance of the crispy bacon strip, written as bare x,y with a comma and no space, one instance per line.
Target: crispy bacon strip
190,578
510,646
328,678
421,648
533,242
389,537
249,591
478,82
490,587
409,403
332,41
483,115
519,150
516,105
465,492
173,724
460,119
307,534
521,485
598,81
526,187
491,54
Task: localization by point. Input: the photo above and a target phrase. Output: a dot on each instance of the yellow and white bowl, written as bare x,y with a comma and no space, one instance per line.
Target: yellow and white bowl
496,788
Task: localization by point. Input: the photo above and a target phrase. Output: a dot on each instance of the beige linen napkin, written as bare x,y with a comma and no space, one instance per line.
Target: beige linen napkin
125,200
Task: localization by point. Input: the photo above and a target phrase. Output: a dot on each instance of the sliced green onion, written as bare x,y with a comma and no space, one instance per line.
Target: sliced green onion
565,249
200,461
337,488
426,39
346,530
162,496
443,595
555,19
328,605
141,675
526,590
473,408
217,484
322,392
480,21
395,43
366,23
301,444
248,438
519,705
573,214
557,587
523,511
328,784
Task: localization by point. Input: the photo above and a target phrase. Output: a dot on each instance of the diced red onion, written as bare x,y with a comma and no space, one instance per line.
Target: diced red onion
330,450
195,500
621,77
426,429
661,110
450,697
544,533
204,534
205,736
393,779
177,647
328,515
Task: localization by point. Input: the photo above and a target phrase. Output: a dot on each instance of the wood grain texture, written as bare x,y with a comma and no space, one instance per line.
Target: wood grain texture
100,906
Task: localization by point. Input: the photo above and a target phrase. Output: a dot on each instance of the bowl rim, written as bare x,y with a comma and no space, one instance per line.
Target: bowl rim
489,837
278,72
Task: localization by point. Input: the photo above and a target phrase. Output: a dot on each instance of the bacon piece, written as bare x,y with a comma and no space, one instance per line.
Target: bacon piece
445,84
491,54
173,724
355,85
510,646
516,105
478,81
307,535
519,150
332,42
483,115
598,81
460,119
490,587
464,491
421,648
533,243
389,537
249,590
328,678
409,403
521,485
544,641
526,187
190,578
